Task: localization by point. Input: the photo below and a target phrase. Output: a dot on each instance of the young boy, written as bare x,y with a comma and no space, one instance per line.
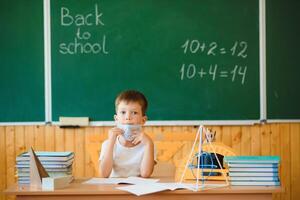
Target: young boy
123,156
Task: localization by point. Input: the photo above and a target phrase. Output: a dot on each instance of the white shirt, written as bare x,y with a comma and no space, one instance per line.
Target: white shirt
126,160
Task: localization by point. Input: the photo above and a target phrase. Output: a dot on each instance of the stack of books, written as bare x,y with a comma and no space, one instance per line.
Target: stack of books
56,164
253,170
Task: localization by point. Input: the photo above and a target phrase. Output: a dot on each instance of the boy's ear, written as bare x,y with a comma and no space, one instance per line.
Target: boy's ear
115,117
145,118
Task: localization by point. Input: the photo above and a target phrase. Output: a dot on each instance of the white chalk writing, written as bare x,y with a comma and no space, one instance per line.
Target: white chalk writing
83,42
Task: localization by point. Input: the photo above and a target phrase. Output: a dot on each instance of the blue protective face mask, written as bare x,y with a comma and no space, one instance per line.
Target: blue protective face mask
129,129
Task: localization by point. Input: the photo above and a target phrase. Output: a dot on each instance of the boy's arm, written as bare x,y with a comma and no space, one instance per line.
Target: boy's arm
106,163
148,162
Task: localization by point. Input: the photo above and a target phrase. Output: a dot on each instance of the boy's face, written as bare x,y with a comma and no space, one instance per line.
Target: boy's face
130,113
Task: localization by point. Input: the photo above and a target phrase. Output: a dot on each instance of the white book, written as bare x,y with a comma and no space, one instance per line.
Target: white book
143,189
52,183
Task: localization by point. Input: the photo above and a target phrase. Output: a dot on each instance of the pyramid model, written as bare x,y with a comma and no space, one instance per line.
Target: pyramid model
200,182
37,171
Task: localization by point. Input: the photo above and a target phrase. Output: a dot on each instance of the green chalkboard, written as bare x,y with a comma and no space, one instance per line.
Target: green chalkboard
194,60
283,83
21,61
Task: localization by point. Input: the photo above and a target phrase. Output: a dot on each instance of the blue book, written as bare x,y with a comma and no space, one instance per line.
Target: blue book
27,169
254,174
255,183
252,159
254,178
48,155
48,162
253,169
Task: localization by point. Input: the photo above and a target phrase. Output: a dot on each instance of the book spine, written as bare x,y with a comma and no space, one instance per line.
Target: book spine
253,174
252,169
252,183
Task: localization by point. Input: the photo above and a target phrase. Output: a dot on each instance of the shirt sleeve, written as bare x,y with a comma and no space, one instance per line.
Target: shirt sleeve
102,150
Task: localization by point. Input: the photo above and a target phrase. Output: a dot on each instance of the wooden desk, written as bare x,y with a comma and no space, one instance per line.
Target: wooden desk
77,191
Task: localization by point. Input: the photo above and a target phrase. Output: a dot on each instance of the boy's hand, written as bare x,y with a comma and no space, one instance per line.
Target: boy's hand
141,137
113,133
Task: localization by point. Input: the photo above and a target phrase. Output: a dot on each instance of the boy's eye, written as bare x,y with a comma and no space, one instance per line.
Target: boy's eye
123,112
134,112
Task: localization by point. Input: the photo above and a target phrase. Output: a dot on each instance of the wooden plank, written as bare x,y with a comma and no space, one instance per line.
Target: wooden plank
295,161
218,136
39,135
70,140
191,134
19,140
176,133
3,161
98,149
98,137
286,160
226,136
79,152
59,139
158,134
265,136
29,137
275,150
167,131
101,134
70,145
275,140
236,136
181,158
10,155
19,143
49,138
149,131
255,140
89,166
246,141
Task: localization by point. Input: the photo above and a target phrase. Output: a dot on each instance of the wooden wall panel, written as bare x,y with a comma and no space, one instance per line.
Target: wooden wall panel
29,136
79,152
285,160
246,141
49,138
255,140
2,161
295,161
173,143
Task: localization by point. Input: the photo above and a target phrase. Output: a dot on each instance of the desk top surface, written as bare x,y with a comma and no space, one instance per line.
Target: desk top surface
78,188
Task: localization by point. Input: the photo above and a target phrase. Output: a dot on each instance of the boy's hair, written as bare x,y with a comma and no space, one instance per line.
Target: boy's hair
132,96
